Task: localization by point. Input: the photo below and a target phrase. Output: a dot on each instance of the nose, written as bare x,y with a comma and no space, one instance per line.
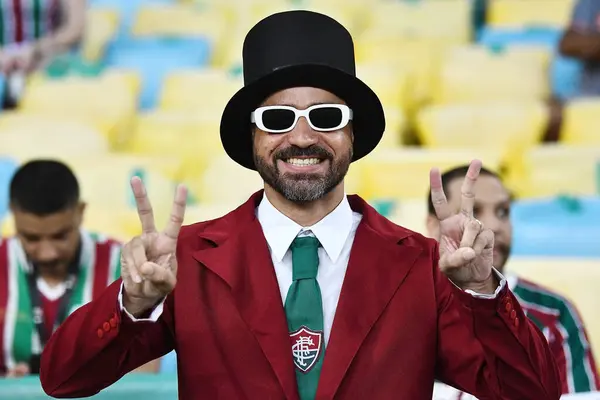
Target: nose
46,252
302,135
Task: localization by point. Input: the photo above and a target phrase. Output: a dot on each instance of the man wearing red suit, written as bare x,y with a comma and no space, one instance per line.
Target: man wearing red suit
303,292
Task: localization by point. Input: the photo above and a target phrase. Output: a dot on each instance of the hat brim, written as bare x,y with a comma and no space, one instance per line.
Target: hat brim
368,116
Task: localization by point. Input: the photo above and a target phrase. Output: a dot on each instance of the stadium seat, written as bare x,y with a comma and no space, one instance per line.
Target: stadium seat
127,10
108,102
191,137
225,182
472,73
518,13
448,19
581,124
499,127
564,72
102,26
391,84
204,90
26,136
403,174
540,226
575,278
555,169
396,123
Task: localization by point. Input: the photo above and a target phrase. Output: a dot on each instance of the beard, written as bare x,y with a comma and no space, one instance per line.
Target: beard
299,187
503,254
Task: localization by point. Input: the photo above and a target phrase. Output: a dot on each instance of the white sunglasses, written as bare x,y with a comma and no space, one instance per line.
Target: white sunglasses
320,117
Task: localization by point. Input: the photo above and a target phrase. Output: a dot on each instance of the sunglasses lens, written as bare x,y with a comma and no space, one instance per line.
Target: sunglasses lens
326,117
278,119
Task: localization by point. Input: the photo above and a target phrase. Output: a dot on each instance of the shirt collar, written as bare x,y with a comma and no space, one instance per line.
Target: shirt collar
280,231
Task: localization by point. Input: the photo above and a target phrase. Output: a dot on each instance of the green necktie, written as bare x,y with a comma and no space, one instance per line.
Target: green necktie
304,312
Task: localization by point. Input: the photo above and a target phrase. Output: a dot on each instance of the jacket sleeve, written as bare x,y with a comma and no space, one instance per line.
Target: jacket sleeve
489,348
98,344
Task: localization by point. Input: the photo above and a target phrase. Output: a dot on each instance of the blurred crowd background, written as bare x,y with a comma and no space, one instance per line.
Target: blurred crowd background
137,87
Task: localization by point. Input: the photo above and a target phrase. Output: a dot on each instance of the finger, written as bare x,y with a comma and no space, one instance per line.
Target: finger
138,256
177,213
163,278
132,260
143,205
438,197
485,240
457,258
472,229
467,189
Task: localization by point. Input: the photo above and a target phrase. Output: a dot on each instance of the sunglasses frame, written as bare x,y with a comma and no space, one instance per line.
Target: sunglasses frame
256,117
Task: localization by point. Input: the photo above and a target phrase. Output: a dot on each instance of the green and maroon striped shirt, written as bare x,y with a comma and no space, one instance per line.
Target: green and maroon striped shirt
27,20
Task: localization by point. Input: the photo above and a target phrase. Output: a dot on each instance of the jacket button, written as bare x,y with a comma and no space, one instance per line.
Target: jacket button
513,314
113,323
106,326
508,306
516,322
100,333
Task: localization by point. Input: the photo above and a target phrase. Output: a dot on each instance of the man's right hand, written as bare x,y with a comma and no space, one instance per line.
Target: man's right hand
148,261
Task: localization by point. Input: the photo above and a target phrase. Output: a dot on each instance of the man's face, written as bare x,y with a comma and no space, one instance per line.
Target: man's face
303,165
492,208
50,241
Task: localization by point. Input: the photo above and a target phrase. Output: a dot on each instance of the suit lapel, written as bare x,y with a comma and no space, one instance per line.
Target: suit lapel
242,259
376,269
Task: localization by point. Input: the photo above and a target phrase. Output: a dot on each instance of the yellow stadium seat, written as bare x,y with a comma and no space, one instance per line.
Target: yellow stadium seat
500,127
31,136
179,20
203,90
576,279
448,19
108,102
519,13
404,173
192,138
554,169
102,26
470,74
226,182
391,84
581,125
396,123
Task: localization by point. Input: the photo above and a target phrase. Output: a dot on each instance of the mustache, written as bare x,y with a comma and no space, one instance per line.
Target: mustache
315,151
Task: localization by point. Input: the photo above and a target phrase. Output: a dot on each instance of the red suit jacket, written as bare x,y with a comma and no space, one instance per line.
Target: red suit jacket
400,324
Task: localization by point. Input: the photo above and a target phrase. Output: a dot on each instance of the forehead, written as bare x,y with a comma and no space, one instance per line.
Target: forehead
43,225
488,190
302,97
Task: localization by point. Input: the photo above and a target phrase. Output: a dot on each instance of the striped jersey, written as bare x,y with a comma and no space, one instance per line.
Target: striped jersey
559,321
27,20
100,265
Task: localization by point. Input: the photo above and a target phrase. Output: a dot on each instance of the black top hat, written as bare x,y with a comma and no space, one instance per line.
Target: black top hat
292,49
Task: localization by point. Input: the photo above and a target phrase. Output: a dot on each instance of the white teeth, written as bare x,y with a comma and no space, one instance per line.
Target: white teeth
303,161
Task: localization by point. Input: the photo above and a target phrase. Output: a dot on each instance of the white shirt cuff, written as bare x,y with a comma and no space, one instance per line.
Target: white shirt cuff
154,316
502,280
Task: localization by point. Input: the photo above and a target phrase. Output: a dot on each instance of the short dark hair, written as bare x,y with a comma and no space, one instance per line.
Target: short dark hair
44,187
452,174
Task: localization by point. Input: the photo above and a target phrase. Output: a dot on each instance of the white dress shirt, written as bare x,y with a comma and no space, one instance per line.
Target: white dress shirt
335,232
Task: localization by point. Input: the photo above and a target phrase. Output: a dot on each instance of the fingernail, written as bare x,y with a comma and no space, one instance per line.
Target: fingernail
137,279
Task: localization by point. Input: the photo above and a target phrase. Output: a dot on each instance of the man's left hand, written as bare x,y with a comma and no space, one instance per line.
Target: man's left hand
466,247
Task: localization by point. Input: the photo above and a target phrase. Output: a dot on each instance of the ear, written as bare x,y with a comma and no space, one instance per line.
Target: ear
433,227
80,210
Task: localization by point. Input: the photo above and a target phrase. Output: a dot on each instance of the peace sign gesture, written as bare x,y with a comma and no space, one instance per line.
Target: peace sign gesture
466,248
148,261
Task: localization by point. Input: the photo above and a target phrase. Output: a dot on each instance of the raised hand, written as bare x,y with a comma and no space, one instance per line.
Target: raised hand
466,248
148,261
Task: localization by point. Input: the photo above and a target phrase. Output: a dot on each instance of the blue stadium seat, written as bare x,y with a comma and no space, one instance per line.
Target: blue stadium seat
168,363
153,58
8,166
563,226
564,72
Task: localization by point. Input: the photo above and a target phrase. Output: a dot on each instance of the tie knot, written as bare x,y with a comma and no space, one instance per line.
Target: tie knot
305,257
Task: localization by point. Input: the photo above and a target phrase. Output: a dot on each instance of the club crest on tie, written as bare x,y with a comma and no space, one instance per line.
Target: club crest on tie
306,348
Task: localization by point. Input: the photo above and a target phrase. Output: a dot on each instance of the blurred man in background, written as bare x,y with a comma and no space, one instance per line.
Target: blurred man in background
33,32
51,267
554,315
582,41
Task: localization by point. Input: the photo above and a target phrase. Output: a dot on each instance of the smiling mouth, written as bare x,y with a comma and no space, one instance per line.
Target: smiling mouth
303,162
